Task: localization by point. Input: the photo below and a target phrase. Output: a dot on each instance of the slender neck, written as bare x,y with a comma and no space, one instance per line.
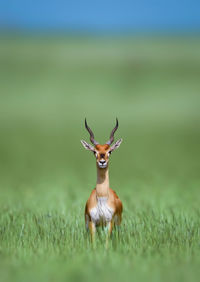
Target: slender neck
102,186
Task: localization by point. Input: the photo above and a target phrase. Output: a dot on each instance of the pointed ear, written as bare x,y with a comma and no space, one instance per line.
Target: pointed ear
87,146
116,145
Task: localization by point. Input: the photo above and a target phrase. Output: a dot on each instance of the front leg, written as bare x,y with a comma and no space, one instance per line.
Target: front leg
109,232
92,229
110,226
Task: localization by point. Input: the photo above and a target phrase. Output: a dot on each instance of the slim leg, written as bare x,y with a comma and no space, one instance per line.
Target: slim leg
87,222
118,219
92,229
109,228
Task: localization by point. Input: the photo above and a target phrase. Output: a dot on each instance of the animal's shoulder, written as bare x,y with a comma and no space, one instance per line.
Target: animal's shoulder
115,201
93,194
113,193
91,202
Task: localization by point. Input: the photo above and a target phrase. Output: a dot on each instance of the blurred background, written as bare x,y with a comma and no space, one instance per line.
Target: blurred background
62,61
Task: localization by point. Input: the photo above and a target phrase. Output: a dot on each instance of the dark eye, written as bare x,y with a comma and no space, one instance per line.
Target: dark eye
109,152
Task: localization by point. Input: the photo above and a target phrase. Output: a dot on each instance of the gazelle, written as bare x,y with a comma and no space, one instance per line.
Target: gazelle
103,206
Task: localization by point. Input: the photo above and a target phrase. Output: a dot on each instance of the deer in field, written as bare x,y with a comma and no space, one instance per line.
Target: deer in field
103,208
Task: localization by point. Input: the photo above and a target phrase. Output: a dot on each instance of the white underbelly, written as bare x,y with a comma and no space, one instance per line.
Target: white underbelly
102,212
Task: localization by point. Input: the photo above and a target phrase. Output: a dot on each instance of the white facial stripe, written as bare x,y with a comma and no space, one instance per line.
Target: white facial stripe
102,165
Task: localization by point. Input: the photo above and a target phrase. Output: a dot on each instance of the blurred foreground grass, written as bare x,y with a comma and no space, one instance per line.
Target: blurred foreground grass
47,87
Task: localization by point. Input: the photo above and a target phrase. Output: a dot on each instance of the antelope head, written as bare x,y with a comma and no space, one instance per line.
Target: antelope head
101,152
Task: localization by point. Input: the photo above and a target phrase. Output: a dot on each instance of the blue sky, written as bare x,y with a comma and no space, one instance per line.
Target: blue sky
101,15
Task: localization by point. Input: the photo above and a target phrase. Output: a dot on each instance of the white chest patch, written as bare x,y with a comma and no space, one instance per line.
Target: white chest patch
102,212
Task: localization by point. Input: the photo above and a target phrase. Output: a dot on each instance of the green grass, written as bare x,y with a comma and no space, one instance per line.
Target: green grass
47,87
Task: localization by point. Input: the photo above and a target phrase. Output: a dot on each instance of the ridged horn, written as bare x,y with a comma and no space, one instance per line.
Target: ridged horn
112,133
94,142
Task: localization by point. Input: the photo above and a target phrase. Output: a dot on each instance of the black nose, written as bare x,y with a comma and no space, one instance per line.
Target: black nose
102,162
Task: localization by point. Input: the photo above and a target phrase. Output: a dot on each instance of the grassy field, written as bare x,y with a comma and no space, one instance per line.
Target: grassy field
47,88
